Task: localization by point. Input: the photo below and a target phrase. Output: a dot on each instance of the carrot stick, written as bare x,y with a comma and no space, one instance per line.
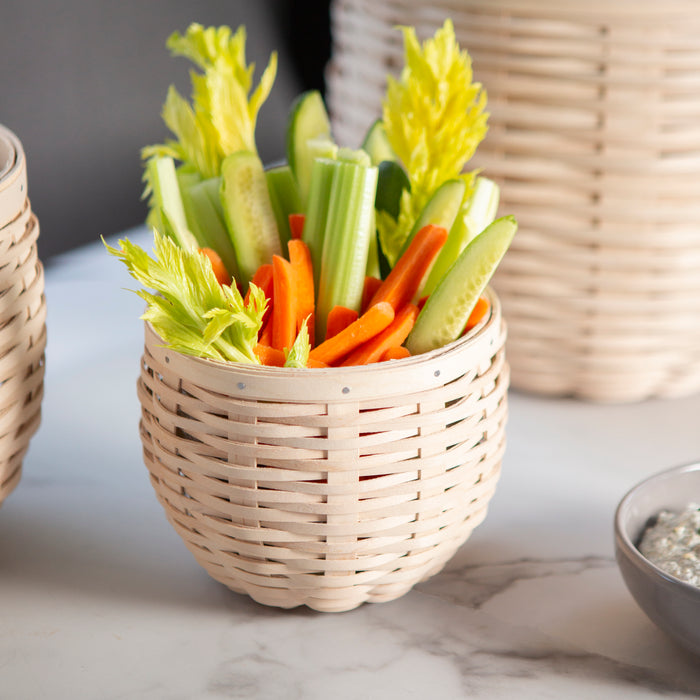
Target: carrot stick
398,352
217,265
394,334
370,288
265,334
406,277
284,314
478,312
272,357
269,356
263,279
373,321
296,225
339,317
300,259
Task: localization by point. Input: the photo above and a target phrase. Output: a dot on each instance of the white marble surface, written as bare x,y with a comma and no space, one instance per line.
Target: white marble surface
100,599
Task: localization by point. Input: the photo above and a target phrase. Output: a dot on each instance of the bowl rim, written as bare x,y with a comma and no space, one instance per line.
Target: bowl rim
628,546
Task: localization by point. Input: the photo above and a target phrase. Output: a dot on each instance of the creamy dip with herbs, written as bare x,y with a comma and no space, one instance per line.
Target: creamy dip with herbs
673,544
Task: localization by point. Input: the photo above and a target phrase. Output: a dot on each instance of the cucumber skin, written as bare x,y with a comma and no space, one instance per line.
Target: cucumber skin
308,120
441,210
447,310
376,144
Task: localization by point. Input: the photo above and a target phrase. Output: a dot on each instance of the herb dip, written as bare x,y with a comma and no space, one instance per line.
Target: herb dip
673,544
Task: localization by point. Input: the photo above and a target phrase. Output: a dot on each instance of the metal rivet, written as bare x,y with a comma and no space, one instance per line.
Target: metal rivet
437,372
346,389
241,385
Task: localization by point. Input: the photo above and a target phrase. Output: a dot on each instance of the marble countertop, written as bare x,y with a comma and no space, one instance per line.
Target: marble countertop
99,598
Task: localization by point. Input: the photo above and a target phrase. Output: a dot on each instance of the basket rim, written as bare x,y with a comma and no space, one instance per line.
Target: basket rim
418,372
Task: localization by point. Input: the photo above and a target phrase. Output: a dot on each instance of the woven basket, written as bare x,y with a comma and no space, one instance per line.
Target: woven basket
595,140
22,316
326,488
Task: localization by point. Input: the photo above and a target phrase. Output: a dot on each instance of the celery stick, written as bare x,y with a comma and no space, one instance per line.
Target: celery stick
248,213
346,240
476,214
284,195
373,266
321,181
166,201
206,209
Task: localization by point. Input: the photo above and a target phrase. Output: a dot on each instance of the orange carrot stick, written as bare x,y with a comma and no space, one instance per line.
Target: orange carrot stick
398,352
296,225
394,334
478,312
339,317
284,314
272,357
265,334
373,321
300,259
217,265
369,289
263,279
406,277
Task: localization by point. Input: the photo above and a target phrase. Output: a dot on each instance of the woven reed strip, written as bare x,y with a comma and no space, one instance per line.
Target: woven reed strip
296,511
22,343
595,140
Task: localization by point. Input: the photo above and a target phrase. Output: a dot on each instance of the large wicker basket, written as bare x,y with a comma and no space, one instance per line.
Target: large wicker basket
326,487
594,138
22,315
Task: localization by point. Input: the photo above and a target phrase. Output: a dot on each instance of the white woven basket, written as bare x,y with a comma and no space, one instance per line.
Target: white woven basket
326,487
595,140
22,315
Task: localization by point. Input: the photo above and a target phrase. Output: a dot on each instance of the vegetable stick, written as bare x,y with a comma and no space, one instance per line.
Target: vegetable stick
477,314
300,259
339,317
296,225
217,265
398,352
394,334
265,335
273,357
263,279
405,279
269,356
373,321
284,315
370,288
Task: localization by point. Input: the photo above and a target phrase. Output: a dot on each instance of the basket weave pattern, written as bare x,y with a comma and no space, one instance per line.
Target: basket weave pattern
326,488
22,343
594,140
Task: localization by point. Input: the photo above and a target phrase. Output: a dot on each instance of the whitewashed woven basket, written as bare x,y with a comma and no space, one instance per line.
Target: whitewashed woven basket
326,487
595,139
22,315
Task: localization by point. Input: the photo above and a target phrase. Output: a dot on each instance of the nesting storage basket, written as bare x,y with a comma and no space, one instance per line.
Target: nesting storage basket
326,487
22,315
595,139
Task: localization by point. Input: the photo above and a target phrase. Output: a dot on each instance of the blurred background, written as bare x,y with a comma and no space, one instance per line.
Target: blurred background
82,86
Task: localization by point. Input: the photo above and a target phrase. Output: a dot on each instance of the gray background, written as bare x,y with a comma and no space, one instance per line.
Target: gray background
82,85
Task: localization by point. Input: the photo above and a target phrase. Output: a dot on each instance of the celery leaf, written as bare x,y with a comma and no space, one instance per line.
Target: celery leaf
188,308
435,118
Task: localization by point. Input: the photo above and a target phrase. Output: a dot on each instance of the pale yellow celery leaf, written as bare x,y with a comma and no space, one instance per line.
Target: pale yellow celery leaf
197,141
187,295
434,117
298,355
